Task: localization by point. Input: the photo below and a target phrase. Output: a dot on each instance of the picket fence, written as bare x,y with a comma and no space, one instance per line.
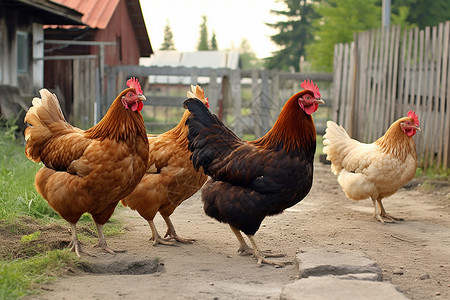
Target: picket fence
386,72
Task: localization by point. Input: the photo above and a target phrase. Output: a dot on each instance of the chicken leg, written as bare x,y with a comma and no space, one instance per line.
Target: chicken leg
102,241
171,233
75,244
382,214
244,249
256,252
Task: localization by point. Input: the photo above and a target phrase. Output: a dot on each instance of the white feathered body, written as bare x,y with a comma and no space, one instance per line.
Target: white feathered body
374,170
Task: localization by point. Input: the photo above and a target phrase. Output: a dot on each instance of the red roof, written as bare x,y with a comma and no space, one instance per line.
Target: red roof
96,14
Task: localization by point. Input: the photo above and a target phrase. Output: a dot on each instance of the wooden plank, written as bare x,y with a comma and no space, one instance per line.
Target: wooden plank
395,73
256,105
373,121
442,93
265,101
383,108
446,158
166,101
213,92
426,117
276,89
362,46
434,121
343,96
235,85
368,86
401,73
392,68
76,90
408,71
337,76
418,85
351,90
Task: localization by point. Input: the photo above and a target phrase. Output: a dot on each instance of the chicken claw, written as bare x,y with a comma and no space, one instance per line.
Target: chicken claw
159,240
172,234
75,244
383,213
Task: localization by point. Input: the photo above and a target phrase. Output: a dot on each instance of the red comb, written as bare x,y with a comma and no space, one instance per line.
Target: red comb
310,86
413,116
134,83
207,102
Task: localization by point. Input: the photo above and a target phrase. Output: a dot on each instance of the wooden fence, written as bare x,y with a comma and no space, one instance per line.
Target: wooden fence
269,92
385,73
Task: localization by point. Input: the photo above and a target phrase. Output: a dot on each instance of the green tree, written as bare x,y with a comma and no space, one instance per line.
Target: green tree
214,42
248,57
168,43
424,13
293,35
340,19
203,41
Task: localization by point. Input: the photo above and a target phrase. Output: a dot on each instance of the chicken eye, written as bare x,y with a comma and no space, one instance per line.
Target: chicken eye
130,95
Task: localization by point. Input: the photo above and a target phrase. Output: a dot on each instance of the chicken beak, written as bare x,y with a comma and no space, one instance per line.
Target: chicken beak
141,97
418,128
320,101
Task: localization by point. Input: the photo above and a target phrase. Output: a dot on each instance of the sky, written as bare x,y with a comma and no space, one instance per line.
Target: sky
231,20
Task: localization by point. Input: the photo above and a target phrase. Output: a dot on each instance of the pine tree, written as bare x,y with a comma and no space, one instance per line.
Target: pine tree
203,41
214,42
168,43
293,35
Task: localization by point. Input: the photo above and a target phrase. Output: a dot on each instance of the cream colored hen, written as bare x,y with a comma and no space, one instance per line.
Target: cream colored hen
374,170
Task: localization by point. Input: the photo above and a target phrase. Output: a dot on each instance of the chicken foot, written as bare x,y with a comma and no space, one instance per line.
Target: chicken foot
171,233
102,241
261,255
156,238
244,249
383,214
75,244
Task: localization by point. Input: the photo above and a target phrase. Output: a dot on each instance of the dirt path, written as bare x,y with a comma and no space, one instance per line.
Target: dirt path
414,254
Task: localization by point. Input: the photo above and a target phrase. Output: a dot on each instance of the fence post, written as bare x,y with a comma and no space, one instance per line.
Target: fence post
256,104
235,85
213,91
265,101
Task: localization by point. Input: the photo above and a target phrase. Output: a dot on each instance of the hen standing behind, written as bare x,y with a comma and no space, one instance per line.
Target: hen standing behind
374,170
88,171
170,179
252,180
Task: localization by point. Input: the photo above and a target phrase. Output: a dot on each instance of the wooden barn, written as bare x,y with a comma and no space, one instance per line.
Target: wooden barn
114,34
22,50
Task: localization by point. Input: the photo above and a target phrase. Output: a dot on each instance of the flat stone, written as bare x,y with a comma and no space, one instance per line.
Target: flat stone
320,262
331,287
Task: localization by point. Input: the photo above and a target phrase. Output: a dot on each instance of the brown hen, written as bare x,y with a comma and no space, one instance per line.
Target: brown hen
170,179
87,171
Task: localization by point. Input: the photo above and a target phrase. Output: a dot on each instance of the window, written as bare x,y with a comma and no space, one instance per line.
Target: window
22,52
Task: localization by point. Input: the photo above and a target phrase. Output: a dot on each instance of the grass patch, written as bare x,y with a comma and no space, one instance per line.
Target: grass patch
434,173
18,195
22,277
